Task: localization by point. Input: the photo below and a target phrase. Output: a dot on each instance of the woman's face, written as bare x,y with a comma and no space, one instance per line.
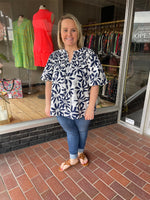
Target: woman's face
69,33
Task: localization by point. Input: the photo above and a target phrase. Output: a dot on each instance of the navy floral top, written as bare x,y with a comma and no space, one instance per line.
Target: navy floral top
71,81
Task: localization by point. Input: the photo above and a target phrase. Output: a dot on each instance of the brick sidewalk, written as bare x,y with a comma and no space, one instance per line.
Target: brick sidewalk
119,169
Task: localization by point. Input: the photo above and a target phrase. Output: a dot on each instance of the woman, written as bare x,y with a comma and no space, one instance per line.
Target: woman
73,75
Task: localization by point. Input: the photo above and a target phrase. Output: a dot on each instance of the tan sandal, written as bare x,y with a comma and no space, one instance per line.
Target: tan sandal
65,165
82,157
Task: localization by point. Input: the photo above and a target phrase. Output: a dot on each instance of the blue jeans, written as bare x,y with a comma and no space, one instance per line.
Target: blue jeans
77,131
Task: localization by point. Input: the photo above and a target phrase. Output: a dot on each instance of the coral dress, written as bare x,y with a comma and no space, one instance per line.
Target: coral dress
43,45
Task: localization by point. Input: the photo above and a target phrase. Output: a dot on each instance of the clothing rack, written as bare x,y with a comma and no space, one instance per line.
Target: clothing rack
103,23
108,32
115,26
98,36
110,66
109,91
111,76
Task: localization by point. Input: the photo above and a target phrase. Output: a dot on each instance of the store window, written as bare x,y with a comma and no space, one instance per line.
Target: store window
102,23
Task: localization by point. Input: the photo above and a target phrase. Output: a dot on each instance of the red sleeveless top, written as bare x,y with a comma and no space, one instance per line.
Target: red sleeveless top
43,45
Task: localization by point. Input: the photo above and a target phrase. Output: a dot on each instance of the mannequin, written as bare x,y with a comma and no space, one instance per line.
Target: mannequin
22,46
2,31
43,21
20,19
42,7
23,43
52,15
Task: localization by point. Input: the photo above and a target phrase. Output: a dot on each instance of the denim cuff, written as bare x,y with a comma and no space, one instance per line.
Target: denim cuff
73,156
80,150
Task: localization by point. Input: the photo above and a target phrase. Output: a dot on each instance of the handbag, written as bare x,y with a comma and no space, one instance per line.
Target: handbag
13,88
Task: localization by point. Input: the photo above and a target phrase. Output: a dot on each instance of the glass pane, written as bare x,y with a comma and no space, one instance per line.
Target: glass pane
138,65
88,12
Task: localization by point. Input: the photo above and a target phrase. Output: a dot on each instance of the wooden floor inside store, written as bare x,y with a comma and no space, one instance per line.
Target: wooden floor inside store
30,107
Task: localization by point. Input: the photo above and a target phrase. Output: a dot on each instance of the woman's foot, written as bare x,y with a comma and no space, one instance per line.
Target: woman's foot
83,159
65,165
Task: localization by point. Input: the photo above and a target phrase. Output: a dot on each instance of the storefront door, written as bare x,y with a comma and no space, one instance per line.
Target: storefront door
135,98
146,117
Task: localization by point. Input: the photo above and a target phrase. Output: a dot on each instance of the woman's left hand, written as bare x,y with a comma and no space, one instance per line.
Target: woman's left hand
89,114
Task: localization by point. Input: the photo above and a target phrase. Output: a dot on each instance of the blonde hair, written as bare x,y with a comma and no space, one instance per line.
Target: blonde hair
79,29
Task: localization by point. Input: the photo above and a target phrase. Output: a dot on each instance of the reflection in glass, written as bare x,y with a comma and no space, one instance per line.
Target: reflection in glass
137,71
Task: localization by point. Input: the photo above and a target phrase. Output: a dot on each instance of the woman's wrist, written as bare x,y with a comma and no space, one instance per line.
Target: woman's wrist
91,106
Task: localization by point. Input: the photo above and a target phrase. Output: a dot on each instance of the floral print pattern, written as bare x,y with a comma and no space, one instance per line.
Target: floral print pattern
71,81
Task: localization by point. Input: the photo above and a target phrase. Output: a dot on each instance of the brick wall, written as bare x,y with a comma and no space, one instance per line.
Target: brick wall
28,137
